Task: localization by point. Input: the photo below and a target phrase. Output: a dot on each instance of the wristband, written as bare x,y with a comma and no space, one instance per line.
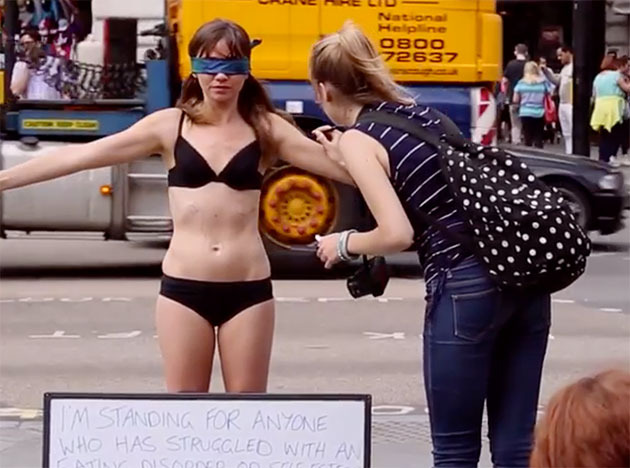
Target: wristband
345,245
342,246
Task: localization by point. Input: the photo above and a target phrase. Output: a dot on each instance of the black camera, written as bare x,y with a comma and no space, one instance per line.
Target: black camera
371,278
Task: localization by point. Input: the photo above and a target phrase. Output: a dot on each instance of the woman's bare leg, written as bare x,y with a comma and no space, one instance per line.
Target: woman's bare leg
245,343
187,345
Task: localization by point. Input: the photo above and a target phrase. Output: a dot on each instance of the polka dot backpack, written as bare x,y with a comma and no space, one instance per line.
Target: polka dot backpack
522,230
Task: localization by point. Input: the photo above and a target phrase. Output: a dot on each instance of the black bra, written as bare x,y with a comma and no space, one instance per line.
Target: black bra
192,170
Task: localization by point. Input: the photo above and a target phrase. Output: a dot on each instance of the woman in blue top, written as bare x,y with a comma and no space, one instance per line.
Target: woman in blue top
529,94
610,89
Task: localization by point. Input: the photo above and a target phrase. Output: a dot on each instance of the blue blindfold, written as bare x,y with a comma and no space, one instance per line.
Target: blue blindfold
227,66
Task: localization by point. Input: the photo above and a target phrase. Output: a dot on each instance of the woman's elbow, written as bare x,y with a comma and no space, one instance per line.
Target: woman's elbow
400,239
405,241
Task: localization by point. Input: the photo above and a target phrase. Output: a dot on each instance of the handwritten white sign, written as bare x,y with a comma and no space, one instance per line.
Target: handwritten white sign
205,431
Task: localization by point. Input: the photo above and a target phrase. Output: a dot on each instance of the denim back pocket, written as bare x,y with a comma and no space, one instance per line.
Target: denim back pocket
475,314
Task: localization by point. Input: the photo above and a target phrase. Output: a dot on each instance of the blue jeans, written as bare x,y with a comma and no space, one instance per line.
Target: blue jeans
482,346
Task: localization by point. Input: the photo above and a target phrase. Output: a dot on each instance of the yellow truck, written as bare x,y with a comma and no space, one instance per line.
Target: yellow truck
447,53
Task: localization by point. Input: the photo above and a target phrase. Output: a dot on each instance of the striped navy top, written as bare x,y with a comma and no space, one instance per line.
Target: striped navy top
417,178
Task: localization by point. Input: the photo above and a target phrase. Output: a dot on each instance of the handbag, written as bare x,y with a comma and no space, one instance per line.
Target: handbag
551,113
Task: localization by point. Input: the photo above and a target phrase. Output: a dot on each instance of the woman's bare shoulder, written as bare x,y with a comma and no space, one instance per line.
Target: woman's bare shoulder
165,122
166,116
164,125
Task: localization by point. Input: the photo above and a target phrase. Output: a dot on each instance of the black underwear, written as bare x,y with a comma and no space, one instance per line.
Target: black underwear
216,301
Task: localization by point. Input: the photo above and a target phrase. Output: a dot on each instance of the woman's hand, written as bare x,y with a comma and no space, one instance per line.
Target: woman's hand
327,249
328,137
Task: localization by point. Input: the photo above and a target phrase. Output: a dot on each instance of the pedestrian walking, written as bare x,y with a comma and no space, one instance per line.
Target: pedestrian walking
564,82
610,89
513,73
530,94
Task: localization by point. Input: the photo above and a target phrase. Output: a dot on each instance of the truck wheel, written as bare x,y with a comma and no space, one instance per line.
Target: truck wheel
295,206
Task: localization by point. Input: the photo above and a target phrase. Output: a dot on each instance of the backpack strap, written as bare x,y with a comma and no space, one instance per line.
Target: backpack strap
402,123
452,137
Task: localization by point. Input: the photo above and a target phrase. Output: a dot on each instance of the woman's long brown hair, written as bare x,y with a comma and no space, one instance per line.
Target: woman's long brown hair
254,104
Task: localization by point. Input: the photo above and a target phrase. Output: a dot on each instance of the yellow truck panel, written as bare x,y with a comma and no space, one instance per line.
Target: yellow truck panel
455,41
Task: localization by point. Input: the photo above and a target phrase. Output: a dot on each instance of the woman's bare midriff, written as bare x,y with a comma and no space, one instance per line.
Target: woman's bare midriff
215,235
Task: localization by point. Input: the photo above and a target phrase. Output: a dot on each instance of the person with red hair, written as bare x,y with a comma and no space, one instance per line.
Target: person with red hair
586,424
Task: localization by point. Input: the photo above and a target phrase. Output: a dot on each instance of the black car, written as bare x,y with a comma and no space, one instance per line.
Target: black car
596,191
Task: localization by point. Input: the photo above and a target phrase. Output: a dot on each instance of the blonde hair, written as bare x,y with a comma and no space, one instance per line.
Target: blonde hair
349,61
586,424
531,73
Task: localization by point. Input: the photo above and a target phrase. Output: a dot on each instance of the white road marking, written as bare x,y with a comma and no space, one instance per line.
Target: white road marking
129,299
65,299
120,336
36,413
20,413
291,299
303,300
56,334
137,333
36,299
391,410
384,336
389,299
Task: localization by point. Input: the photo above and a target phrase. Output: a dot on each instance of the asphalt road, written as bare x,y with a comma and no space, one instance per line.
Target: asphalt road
78,315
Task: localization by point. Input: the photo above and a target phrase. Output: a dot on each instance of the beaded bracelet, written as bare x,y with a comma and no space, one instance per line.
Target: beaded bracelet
342,246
